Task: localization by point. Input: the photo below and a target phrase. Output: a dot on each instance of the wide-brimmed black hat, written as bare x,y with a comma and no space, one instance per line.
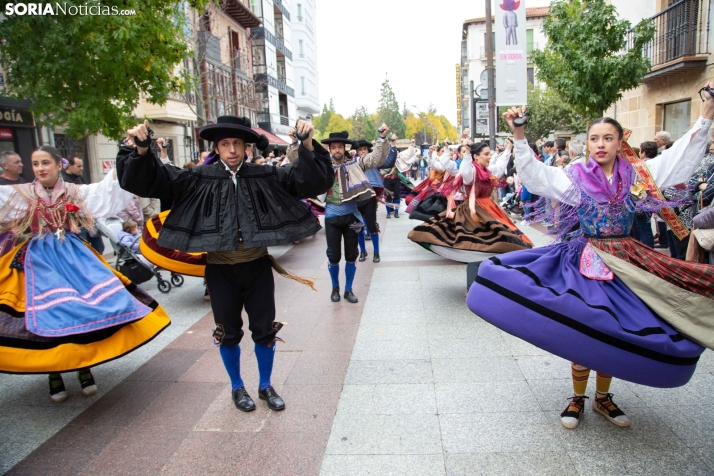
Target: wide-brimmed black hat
235,128
338,137
362,143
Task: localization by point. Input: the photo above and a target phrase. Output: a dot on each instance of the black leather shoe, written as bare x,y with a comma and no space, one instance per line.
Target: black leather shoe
242,400
389,216
362,255
396,214
376,258
335,295
274,401
368,237
350,296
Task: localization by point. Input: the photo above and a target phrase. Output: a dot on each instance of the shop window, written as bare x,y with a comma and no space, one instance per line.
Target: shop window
677,118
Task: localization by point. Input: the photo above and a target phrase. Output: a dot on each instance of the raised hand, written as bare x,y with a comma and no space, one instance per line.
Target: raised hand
511,114
304,127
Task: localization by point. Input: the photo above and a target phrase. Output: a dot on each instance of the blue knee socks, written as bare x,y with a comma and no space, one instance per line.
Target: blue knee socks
350,270
375,242
389,209
396,206
334,274
266,357
231,360
361,241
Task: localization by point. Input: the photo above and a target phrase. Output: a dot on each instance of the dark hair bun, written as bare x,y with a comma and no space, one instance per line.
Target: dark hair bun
263,143
478,147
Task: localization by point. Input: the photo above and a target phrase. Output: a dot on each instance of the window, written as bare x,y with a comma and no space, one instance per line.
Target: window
302,84
529,41
302,53
531,78
677,118
299,5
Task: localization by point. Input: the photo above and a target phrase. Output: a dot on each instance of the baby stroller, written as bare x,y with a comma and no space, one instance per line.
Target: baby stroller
133,265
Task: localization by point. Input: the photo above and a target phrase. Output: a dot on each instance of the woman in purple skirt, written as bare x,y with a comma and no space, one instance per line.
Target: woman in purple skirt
597,297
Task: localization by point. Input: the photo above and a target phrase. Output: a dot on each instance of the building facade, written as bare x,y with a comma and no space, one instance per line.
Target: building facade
307,100
474,60
680,54
273,66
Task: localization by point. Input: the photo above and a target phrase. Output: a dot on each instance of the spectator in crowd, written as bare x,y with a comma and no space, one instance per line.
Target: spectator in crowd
133,212
648,150
423,166
549,151
73,172
129,234
202,156
661,138
260,160
11,164
189,165
577,152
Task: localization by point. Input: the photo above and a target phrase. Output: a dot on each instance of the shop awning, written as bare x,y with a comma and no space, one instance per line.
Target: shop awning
272,138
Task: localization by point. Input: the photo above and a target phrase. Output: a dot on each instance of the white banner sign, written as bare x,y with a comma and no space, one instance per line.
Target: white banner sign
511,54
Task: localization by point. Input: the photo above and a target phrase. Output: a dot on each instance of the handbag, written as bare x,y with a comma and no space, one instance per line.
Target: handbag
704,219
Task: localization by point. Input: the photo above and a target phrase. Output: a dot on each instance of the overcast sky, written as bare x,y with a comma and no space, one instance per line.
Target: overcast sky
416,44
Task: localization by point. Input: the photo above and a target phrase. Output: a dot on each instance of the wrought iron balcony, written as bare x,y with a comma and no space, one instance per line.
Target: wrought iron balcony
261,33
209,45
281,7
681,39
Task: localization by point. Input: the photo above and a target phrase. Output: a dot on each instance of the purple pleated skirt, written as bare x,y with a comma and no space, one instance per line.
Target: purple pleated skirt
540,296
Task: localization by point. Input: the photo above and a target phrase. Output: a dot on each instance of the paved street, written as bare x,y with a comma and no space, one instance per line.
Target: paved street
407,381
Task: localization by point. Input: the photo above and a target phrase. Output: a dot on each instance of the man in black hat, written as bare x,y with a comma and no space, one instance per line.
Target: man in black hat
343,221
234,210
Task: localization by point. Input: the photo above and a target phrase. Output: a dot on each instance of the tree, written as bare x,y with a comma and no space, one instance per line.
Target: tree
337,124
437,127
584,59
320,122
549,113
88,72
388,110
363,127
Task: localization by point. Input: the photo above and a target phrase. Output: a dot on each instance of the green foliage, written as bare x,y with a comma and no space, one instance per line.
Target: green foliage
584,60
437,127
549,112
320,122
337,124
388,110
87,72
363,126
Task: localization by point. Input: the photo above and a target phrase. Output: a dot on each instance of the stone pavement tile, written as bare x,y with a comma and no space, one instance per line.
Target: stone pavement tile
510,463
706,362
13,452
25,424
388,399
406,254
285,454
488,369
468,330
479,397
385,434
308,409
398,289
327,337
379,371
498,432
223,416
319,368
388,305
416,349
395,316
484,346
209,368
210,452
595,433
538,367
181,405
389,332
448,298
382,465
391,275
295,336
553,394
519,347
454,317
138,450
168,365
706,453
698,390
642,462
69,451
123,404
439,274
694,424
32,390
198,336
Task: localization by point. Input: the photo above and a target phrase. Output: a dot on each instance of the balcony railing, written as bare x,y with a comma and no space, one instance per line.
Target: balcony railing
261,33
281,7
681,34
209,45
188,97
284,120
276,83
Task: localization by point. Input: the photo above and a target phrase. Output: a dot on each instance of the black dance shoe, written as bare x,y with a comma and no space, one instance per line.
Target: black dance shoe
274,401
396,214
350,296
376,258
242,400
362,255
335,295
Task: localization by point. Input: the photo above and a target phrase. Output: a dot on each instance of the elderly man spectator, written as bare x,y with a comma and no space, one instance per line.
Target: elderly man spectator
73,172
11,164
577,152
661,139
